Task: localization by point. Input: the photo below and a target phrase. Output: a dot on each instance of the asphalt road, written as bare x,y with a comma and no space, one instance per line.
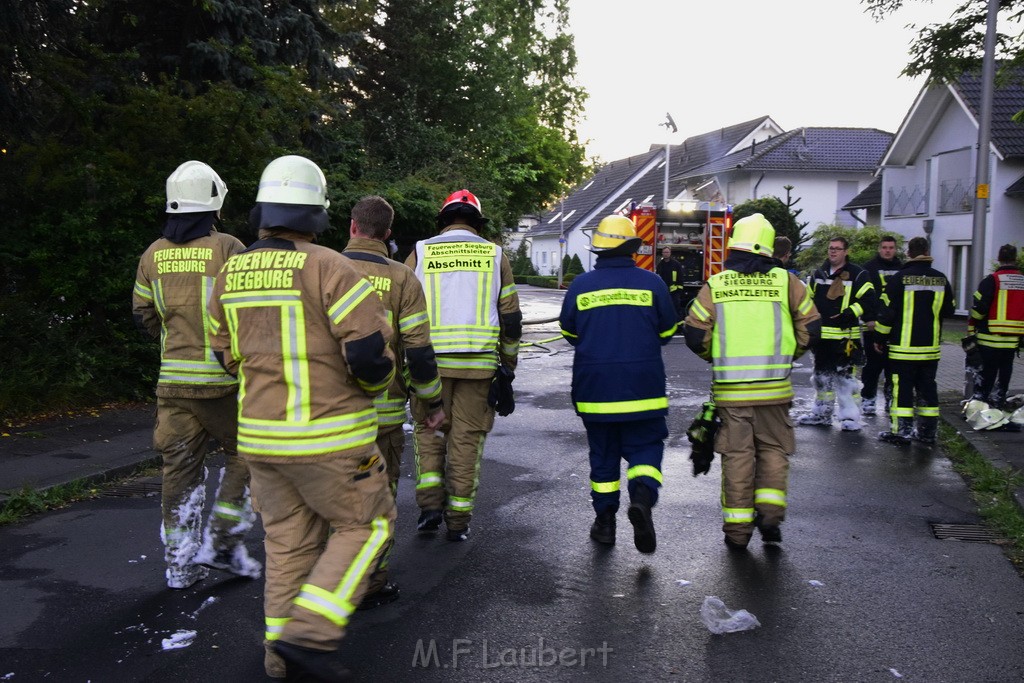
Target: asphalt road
860,591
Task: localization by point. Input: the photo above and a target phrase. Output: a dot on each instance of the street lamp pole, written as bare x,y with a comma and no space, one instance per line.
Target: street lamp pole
671,125
981,192
561,239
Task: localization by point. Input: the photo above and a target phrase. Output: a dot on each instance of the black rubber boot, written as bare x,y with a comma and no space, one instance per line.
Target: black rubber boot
770,533
927,428
380,597
311,666
640,517
430,520
603,528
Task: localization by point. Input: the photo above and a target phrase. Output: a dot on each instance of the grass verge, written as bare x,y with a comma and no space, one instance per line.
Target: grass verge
29,501
992,489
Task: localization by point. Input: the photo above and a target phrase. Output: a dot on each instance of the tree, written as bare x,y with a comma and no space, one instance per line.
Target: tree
944,51
779,214
520,260
863,245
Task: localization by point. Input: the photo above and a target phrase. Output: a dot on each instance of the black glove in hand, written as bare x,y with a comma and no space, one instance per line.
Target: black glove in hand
501,396
845,319
702,455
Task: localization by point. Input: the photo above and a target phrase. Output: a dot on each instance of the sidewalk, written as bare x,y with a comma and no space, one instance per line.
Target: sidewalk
107,443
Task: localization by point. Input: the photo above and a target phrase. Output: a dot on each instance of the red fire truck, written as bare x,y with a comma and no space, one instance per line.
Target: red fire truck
696,234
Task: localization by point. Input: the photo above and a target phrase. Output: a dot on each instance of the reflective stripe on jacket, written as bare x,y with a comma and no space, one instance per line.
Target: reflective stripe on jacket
910,319
173,285
998,310
749,366
308,337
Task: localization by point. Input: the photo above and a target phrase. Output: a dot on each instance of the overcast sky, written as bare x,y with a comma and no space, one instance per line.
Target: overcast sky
714,64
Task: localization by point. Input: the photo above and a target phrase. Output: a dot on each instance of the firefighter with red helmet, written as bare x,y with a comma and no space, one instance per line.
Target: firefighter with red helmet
308,338
415,364
475,325
196,398
618,316
751,375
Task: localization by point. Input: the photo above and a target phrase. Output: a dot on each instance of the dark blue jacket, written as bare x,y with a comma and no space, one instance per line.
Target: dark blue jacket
618,317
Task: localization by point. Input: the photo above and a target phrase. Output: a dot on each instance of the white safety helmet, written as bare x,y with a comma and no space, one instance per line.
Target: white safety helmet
1017,417
194,187
293,180
973,407
990,418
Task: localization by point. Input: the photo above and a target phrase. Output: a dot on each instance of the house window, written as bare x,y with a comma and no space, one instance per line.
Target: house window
955,181
554,262
959,265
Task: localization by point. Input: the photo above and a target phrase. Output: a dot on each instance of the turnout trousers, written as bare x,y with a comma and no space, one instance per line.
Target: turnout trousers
328,521
391,442
448,461
875,364
996,368
182,434
916,394
641,443
755,443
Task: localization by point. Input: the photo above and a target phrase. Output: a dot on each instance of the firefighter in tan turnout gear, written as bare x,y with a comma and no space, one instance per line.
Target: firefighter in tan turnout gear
308,338
196,399
415,365
475,323
751,320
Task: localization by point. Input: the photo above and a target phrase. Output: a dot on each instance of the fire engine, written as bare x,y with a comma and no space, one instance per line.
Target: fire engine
697,236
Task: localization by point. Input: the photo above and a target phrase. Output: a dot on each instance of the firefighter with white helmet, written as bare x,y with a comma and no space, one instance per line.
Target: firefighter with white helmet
751,383
618,316
308,338
196,399
475,325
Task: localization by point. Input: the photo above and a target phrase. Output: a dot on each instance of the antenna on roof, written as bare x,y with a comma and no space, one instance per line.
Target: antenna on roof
669,123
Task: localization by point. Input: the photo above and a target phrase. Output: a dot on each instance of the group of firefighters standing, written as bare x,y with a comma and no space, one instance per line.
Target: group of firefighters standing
299,360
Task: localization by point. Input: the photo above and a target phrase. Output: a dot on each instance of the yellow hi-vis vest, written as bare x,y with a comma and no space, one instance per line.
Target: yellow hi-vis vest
752,342
461,276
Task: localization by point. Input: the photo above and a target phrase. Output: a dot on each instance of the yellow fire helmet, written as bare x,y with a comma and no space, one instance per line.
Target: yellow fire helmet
612,232
754,234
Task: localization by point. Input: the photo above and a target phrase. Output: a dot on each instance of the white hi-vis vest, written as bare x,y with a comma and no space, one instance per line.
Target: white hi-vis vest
753,341
461,276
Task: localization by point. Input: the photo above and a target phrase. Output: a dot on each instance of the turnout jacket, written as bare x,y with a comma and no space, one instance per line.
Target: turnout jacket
618,316
475,320
998,310
751,320
842,298
671,273
917,298
308,338
173,284
406,309
881,269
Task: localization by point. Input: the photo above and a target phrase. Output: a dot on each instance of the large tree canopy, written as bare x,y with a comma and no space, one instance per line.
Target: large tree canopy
100,101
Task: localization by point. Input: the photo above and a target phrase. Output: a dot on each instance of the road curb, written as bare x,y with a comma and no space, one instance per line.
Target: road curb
100,477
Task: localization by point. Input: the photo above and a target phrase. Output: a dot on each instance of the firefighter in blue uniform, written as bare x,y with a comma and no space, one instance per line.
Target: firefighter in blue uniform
618,316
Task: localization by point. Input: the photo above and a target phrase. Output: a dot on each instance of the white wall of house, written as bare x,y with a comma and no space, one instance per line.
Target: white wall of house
821,195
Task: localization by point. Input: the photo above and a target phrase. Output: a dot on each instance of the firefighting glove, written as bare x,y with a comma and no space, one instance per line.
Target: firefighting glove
846,318
854,351
500,397
701,434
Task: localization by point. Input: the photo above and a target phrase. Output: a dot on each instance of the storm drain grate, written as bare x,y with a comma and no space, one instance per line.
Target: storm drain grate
133,490
971,533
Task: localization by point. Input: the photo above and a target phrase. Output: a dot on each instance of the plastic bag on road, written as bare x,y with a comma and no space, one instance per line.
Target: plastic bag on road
720,619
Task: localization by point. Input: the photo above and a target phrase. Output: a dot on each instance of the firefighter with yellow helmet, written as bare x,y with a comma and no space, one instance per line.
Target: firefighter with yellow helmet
750,321
618,316
308,338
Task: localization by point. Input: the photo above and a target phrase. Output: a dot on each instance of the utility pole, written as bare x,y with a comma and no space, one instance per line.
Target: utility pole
561,240
982,190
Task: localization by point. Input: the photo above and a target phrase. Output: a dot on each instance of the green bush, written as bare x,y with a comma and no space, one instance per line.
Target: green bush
863,245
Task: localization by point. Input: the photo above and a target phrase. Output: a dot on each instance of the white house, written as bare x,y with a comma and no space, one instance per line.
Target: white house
824,168
928,175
